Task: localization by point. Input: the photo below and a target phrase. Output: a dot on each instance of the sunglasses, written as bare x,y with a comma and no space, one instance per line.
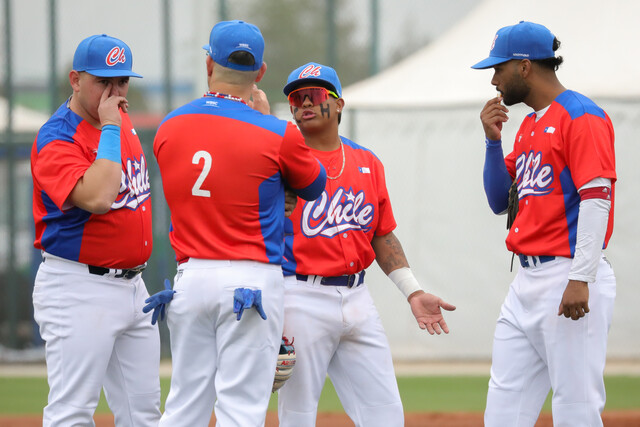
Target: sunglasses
316,95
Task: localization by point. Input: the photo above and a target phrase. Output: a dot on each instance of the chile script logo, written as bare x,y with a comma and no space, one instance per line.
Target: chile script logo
344,211
116,55
310,71
535,178
135,187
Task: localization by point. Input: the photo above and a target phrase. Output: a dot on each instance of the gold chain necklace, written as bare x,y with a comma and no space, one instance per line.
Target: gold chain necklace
342,169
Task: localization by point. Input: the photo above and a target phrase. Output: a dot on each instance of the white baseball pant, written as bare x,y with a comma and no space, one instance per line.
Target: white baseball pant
216,356
534,350
96,336
337,331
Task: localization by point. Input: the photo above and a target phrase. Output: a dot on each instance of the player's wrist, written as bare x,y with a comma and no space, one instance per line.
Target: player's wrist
404,279
493,142
109,145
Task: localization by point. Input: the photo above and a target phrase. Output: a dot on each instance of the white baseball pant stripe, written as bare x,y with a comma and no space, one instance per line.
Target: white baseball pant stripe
215,356
96,336
337,331
534,350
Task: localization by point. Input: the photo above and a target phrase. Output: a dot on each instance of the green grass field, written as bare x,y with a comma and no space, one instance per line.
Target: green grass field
419,394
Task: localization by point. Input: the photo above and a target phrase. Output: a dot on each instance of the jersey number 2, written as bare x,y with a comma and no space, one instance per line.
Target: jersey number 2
196,190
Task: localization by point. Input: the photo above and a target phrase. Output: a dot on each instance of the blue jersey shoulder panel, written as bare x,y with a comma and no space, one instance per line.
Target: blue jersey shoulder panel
232,110
60,127
578,105
355,146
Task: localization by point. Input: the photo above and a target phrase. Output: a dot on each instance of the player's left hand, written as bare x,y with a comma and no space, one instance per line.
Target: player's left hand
259,101
575,300
158,301
426,309
290,201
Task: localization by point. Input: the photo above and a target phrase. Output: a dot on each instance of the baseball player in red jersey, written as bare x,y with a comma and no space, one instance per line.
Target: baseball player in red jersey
329,313
563,162
223,167
92,216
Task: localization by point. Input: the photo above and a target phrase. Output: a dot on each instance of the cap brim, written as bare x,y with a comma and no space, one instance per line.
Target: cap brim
490,62
320,82
113,73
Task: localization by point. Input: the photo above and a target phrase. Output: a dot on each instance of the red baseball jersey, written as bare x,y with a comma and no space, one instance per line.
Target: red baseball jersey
65,147
331,236
552,158
223,168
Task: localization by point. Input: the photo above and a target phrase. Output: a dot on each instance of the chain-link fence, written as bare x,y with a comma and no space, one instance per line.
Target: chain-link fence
47,31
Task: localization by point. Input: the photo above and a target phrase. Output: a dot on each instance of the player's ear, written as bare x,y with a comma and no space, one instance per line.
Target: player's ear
74,80
524,67
339,104
210,65
263,69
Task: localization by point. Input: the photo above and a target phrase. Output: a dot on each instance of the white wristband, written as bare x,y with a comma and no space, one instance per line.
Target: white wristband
405,281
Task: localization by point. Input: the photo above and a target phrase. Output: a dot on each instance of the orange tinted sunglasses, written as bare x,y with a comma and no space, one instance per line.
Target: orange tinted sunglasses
316,95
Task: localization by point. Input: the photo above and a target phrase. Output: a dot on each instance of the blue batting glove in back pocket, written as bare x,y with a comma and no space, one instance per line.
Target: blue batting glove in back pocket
244,298
158,301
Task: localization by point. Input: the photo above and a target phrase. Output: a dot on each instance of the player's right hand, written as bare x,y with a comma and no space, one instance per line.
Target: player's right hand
109,108
493,115
259,101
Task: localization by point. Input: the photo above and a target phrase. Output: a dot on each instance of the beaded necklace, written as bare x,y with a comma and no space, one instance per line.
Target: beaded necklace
225,96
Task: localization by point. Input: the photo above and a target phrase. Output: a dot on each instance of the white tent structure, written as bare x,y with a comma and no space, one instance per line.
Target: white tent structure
421,117
23,119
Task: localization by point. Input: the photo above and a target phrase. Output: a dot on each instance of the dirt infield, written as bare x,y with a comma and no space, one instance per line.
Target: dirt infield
610,419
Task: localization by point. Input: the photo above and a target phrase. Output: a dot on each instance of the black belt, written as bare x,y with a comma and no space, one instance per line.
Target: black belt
348,281
118,273
524,261
126,273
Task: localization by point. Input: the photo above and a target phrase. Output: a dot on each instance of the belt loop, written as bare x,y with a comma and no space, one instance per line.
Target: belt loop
352,279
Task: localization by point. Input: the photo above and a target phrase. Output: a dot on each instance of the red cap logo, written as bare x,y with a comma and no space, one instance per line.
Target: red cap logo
310,71
494,42
116,55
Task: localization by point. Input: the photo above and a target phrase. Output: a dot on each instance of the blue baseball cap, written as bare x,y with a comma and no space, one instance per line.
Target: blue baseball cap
316,73
228,37
524,40
104,56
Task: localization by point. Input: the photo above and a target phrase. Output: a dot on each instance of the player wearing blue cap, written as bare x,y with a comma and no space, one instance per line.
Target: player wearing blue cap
329,313
92,212
562,163
224,166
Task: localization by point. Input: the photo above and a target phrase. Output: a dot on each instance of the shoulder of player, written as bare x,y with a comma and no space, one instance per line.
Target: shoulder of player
577,105
359,150
241,112
63,126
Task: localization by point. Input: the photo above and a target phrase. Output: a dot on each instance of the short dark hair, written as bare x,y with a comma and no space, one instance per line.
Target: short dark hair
554,62
242,57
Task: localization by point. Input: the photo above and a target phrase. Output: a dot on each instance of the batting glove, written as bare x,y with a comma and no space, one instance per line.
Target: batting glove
158,301
247,298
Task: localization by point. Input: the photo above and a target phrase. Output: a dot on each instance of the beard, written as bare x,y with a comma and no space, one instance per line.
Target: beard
515,92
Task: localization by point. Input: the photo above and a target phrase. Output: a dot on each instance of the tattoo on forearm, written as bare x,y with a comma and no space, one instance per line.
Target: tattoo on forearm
390,255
